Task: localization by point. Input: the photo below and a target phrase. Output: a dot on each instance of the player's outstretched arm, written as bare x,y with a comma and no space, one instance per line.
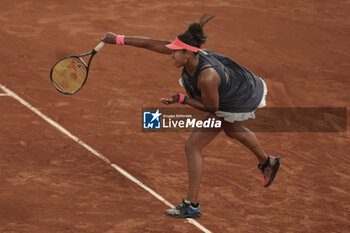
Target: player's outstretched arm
155,45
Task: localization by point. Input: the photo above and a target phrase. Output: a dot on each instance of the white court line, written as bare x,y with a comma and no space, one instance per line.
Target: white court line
1,94
96,153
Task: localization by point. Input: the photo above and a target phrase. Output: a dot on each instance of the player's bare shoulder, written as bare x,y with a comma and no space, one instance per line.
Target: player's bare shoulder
208,76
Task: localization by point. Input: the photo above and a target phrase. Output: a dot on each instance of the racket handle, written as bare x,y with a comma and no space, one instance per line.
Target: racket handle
99,46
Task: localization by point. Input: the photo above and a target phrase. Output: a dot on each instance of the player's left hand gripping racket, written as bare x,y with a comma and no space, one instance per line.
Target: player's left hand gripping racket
69,74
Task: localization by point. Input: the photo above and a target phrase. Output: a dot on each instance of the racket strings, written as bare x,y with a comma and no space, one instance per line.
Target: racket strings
69,74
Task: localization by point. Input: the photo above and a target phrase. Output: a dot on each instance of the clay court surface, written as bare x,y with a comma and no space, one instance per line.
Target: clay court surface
50,183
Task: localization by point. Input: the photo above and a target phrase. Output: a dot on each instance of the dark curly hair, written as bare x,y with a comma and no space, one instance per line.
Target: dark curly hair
195,35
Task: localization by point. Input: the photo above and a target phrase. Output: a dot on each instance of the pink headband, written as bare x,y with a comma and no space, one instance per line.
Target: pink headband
178,44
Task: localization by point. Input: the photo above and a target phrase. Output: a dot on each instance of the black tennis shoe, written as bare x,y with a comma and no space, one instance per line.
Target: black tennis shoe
185,210
269,169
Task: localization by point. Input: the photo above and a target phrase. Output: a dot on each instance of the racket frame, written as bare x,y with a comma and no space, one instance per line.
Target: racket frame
87,66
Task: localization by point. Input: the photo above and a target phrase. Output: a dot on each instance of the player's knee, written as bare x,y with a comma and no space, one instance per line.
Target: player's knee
235,131
238,135
190,148
230,134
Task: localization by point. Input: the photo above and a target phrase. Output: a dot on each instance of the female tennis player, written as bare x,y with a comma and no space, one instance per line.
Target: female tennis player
214,84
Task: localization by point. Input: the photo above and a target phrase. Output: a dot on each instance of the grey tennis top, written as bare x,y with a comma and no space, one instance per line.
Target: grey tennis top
239,91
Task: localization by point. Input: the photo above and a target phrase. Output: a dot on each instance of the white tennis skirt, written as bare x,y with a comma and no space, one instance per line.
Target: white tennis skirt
242,116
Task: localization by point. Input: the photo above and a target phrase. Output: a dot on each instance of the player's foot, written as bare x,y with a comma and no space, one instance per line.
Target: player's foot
185,210
269,169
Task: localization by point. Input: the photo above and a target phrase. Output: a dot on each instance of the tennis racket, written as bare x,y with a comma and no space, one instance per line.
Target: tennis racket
70,73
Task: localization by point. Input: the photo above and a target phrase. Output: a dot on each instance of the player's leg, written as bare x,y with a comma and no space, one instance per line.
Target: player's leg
268,164
237,131
198,139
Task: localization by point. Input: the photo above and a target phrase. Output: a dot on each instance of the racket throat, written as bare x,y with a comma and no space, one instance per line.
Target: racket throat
83,61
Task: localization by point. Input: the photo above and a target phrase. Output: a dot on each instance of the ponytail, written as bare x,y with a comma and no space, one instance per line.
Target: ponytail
195,35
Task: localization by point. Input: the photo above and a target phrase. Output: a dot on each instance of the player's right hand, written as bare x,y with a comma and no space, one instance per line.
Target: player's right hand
109,38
